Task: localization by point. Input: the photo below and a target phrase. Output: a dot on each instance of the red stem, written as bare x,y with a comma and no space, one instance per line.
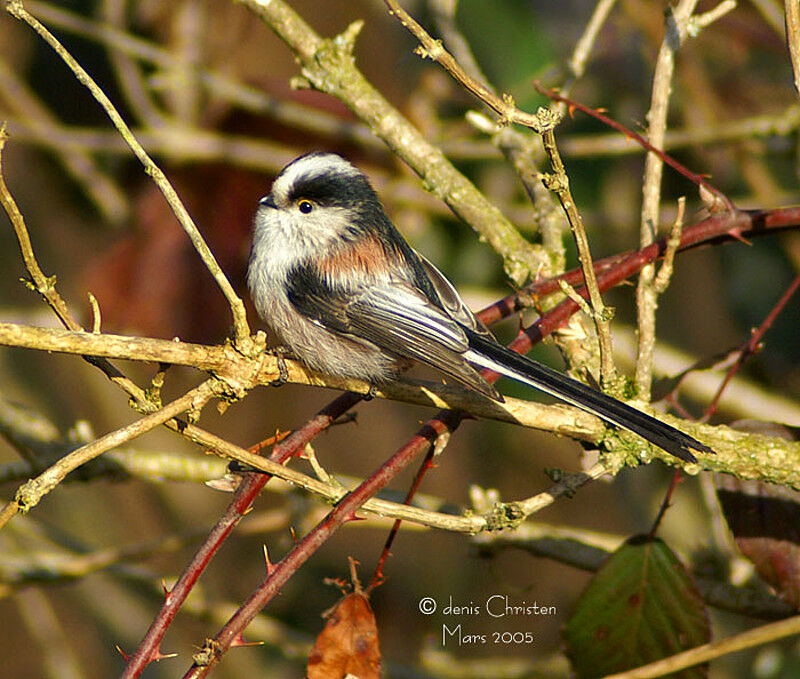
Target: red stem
280,573
424,468
248,490
751,346
630,134
613,270
677,477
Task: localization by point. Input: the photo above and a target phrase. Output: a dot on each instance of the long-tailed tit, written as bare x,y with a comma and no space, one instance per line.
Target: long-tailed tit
339,284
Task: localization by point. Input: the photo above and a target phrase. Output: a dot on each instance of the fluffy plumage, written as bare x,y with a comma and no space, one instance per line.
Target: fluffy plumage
334,278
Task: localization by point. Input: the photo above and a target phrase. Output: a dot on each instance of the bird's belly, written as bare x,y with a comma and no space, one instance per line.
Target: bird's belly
325,350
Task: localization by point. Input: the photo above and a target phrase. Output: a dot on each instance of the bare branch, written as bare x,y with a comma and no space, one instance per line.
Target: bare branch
31,493
577,62
329,66
99,187
697,656
17,9
242,372
601,315
502,105
676,23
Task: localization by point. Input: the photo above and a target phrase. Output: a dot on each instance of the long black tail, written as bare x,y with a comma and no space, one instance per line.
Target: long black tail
489,354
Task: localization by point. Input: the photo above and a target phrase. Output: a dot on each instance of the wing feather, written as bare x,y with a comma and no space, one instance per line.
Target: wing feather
392,315
449,298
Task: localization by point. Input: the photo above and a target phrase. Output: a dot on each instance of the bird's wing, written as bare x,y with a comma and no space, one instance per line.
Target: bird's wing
450,299
392,314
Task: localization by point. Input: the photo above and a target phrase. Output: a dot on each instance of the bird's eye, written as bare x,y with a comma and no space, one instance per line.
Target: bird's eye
305,206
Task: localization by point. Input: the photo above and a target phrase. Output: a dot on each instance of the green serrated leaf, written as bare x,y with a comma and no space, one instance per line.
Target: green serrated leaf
641,606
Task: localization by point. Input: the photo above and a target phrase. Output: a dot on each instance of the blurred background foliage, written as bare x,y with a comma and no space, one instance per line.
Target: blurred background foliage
99,224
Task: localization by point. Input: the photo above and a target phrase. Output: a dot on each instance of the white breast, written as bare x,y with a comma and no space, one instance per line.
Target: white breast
276,250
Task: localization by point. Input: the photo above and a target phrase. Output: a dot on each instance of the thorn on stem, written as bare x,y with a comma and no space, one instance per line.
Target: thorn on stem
269,564
239,640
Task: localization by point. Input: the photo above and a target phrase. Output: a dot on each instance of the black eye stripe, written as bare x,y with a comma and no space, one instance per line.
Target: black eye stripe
332,190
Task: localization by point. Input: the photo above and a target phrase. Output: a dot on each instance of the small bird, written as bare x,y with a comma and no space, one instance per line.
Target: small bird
337,282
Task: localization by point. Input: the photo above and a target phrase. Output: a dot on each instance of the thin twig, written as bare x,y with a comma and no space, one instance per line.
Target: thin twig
246,493
558,182
278,574
700,21
666,502
45,285
585,44
433,49
720,132
676,24
766,124
329,66
241,328
566,485
661,281
427,464
792,16
702,654
752,345
31,493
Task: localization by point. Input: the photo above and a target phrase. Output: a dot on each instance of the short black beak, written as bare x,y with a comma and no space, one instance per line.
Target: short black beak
268,201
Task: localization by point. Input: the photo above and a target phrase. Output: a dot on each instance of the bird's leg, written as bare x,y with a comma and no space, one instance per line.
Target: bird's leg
280,353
